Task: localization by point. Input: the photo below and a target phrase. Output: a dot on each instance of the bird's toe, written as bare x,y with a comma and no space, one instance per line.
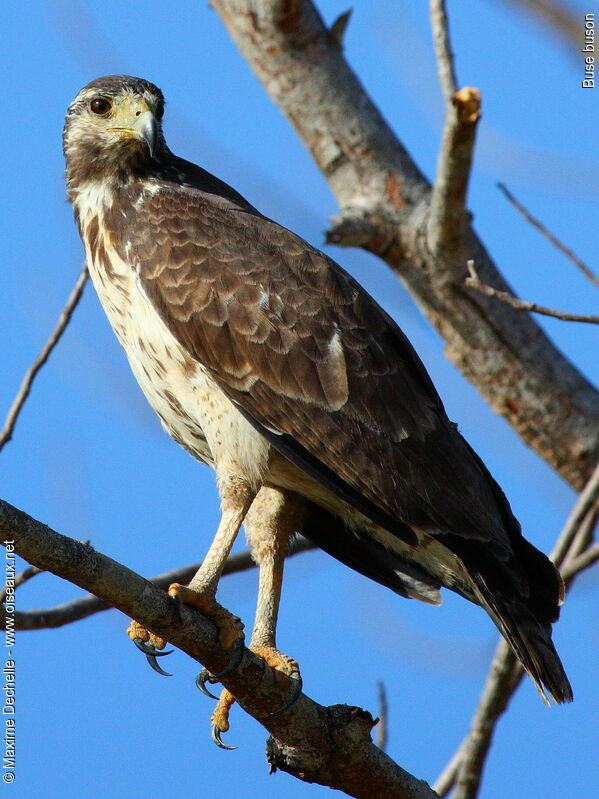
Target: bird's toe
148,643
286,671
220,718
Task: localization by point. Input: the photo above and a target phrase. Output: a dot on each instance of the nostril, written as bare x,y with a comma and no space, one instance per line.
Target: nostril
138,113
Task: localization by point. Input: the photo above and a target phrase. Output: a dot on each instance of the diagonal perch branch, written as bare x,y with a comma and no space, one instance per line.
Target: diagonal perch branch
328,745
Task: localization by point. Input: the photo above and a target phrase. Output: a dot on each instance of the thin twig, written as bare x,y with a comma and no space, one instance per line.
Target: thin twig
382,735
88,605
574,566
584,503
443,51
21,578
446,779
584,536
30,375
548,235
465,768
504,677
447,219
474,282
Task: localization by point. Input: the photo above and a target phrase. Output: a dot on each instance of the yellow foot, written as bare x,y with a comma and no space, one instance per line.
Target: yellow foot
287,673
149,644
281,663
286,669
136,630
230,627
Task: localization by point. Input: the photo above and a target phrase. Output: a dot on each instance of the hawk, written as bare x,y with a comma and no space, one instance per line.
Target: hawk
266,360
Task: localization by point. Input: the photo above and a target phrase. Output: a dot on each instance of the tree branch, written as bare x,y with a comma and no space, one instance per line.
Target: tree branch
587,558
465,769
385,206
443,51
328,745
474,282
88,605
31,373
549,235
447,216
382,735
23,577
584,504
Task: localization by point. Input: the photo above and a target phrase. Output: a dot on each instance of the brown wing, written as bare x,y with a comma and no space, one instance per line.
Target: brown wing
311,360
305,352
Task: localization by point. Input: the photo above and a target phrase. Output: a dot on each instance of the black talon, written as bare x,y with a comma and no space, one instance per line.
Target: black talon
151,654
216,733
203,677
236,658
296,688
148,649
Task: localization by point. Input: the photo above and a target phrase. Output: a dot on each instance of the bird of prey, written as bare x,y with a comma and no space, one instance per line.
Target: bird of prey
264,359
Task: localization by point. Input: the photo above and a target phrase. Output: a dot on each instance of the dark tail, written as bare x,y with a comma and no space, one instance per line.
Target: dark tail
530,641
522,593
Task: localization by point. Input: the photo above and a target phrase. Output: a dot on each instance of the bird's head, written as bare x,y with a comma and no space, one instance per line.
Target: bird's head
113,129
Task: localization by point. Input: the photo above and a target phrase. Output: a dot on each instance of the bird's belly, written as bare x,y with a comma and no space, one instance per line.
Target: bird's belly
192,408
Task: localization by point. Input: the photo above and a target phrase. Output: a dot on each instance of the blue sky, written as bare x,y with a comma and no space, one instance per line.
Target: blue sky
90,459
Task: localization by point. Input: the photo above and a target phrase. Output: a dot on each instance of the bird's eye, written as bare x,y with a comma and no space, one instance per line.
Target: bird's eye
100,105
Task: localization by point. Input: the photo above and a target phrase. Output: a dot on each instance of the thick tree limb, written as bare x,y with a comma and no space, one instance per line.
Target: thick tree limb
88,605
587,272
328,745
474,282
385,207
31,373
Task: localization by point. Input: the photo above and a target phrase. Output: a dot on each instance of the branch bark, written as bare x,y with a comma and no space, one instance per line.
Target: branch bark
385,206
328,745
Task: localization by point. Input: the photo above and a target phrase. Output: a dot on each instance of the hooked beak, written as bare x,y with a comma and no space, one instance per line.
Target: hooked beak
146,130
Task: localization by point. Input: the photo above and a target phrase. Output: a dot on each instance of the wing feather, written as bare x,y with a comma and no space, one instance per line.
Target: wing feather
297,344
